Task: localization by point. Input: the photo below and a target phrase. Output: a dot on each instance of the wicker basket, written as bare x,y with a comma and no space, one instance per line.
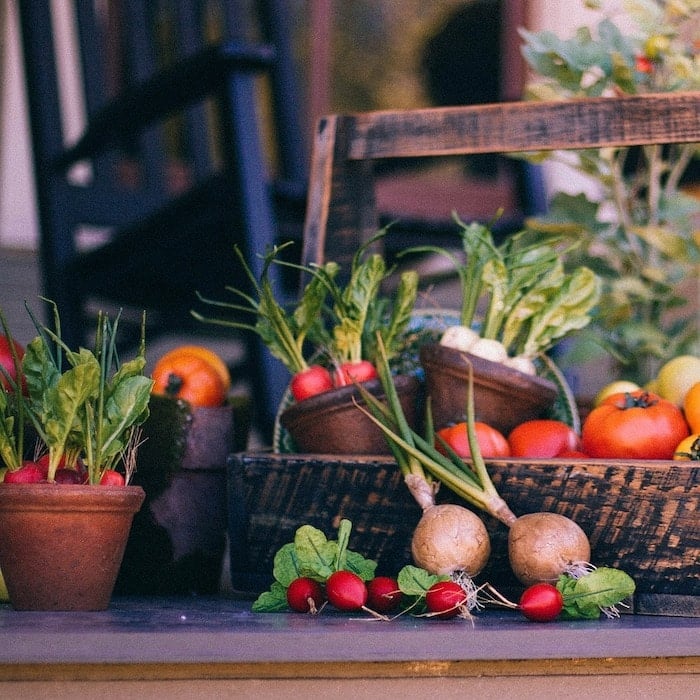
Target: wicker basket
642,518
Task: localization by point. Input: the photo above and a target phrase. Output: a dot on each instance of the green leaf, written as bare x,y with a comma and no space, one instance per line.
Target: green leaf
316,555
587,596
285,567
415,582
273,600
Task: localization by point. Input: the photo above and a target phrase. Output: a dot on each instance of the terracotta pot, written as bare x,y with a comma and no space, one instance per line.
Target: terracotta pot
61,545
178,538
330,423
503,397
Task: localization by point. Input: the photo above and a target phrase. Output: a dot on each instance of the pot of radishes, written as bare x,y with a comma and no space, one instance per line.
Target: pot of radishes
65,513
328,343
517,302
329,423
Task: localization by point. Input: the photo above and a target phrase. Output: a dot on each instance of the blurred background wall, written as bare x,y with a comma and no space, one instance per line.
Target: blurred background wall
372,62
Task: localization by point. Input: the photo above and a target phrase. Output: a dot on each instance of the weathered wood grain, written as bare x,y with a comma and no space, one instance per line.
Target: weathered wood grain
341,207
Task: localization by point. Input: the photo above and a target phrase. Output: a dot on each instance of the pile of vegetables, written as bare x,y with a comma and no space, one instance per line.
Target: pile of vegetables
86,417
517,298
328,339
313,572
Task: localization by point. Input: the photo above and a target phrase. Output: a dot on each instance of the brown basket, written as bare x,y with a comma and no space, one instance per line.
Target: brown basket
641,517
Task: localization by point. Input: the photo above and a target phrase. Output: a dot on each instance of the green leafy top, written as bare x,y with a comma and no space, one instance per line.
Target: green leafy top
92,408
530,301
597,591
331,318
637,232
312,555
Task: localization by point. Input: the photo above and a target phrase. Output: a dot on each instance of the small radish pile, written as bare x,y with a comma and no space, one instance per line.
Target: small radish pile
313,573
452,540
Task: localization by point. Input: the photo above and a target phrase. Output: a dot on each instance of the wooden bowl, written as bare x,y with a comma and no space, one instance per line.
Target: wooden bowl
503,397
331,423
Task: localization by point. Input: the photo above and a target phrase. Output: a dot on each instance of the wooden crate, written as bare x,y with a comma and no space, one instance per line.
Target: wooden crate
640,517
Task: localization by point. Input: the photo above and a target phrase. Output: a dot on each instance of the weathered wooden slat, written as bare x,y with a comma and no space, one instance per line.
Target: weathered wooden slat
341,206
524,126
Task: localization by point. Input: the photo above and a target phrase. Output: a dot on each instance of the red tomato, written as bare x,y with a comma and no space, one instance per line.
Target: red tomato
312,381
7,361
634,425
350,372
544,438
492,444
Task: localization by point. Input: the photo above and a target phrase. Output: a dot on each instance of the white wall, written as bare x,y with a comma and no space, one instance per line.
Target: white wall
18,221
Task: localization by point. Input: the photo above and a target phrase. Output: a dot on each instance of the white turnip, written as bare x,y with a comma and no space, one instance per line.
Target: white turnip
450,538
542,546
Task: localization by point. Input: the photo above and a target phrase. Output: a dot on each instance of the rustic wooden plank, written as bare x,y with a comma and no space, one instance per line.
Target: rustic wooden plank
524,126
342,211
341,198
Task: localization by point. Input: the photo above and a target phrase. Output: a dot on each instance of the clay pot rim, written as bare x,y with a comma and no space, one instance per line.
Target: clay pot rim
45,496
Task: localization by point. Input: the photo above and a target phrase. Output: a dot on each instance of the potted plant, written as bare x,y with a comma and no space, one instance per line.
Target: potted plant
327,341
65,513
517,302
638,231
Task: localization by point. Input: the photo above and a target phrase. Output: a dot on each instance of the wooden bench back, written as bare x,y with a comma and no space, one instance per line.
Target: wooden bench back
341,209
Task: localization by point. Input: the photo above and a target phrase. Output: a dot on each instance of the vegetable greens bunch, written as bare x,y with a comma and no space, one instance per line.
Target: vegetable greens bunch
83,404
336,316
637,233
519,293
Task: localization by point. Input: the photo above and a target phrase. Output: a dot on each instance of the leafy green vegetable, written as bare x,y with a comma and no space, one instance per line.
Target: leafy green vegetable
311,554
284,332
597,591
83,411
530,301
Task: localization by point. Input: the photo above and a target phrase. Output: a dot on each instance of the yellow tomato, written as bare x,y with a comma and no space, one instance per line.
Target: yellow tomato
677,376
617,387
688,449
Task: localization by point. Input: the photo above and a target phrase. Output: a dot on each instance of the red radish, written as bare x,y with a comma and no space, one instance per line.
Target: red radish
305,595
541,602
7,361
111,478
350,372
446,599
346,591
69,476
309,382
28,473
43,463
383,594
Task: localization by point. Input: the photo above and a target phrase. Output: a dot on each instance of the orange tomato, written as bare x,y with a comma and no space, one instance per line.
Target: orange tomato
190,378
208,356
691,407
